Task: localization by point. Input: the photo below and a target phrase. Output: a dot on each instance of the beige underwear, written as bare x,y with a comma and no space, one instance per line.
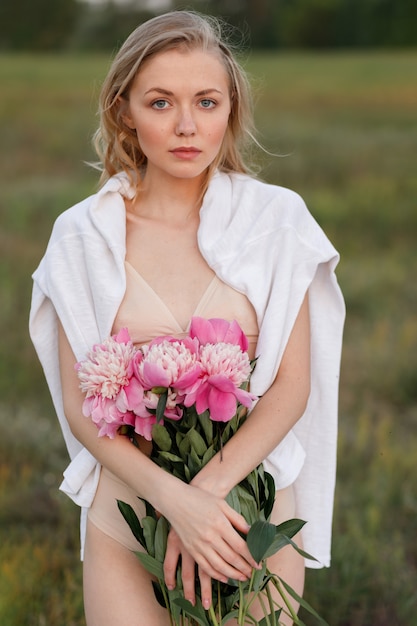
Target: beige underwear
104,512
105,515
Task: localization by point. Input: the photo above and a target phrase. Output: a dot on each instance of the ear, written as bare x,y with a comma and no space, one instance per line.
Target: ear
124,112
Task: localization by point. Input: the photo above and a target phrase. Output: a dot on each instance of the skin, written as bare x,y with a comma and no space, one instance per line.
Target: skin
172,111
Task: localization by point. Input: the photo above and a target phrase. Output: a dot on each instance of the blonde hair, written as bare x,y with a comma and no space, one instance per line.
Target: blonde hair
117,145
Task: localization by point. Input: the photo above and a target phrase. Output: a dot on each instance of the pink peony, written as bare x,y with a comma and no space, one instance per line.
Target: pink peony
130,397
218,331
168,363
124,386
225,367
106,377
108,366
104,414
142,425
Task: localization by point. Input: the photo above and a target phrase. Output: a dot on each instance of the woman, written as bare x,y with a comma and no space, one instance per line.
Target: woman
179,228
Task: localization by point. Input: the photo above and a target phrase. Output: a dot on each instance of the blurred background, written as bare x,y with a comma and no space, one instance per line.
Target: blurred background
336,92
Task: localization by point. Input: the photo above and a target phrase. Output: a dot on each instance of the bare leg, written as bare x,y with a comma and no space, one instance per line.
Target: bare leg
117,589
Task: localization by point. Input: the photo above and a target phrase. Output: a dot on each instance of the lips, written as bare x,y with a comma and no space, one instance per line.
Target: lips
186,152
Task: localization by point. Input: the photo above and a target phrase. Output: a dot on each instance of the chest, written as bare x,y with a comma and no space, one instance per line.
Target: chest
167,257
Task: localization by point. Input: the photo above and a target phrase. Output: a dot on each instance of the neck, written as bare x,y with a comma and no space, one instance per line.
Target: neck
169,198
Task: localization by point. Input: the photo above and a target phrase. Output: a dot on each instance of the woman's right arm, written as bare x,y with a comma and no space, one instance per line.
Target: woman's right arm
205,523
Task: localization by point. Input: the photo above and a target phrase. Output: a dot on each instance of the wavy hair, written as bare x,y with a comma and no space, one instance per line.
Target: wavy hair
117,145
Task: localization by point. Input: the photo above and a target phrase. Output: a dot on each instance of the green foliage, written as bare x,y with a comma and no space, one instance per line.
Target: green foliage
40,25
346,123
231,600
79,25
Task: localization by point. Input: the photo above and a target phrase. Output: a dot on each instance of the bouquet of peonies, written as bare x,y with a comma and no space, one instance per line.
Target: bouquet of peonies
189,396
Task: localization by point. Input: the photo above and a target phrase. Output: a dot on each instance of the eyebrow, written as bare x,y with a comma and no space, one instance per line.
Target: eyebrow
166,92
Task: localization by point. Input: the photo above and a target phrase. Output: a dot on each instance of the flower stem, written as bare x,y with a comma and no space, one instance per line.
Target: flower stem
167,603
283,595
213,616
219,601
271,605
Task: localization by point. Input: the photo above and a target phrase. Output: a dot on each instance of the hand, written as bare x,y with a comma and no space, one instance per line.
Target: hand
207,528
175,549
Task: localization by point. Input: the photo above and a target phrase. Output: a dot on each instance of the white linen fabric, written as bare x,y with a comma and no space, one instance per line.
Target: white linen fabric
261,240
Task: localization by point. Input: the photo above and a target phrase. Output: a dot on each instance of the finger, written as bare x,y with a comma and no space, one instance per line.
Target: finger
235,564
188,576
220,569
236,519
172,555
205,584
235,541
239,554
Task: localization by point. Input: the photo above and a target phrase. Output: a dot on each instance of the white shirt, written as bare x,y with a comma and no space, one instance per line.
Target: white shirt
261,240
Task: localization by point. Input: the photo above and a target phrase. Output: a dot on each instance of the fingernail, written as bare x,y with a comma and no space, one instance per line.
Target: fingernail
170,587
206,603
191,601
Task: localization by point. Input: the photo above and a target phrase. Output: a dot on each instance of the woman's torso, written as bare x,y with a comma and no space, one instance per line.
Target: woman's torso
168,282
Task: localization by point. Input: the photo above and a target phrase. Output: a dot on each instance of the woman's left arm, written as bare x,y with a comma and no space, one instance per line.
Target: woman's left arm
272,418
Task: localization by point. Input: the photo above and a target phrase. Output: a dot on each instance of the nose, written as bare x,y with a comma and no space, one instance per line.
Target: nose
185,124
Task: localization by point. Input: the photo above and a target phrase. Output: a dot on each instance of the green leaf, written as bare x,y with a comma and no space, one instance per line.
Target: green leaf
196,612
252,480
284,531
161,438
233,614
232,500
197,442
161,536
207,426
196,459
248,505
149,527
193,463
270,496
132,519
151,565
290,527
184,447
208,455
171,457
160,409
300,551
175,610
225,430
278,543
259,538
150,510
158,594
187,474
190,417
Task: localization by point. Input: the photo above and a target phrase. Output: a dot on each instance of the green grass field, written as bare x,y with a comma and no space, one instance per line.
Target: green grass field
345,128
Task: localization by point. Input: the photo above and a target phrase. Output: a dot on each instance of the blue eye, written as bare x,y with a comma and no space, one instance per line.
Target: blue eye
207,103
159,104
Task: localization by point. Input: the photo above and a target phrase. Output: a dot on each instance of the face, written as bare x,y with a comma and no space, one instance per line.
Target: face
179,106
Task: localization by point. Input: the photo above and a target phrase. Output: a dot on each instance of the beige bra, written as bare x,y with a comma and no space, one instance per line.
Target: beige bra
146,316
